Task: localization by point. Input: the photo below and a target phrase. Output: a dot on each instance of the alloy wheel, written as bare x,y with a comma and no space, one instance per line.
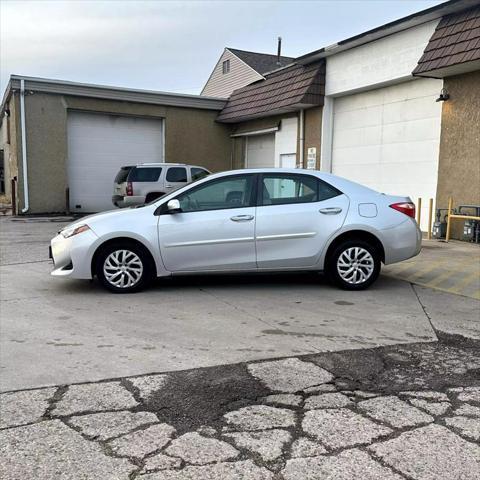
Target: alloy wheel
123,268
355,265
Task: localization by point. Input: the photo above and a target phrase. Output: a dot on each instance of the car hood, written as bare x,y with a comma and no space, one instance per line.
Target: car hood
97,218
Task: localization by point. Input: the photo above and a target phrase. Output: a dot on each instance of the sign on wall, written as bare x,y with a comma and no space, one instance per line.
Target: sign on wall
312,158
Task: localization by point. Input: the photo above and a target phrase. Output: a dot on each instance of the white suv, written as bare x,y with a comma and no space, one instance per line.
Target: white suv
143,183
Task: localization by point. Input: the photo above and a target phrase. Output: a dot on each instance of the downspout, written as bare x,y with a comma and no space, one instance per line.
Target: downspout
302,139
24,147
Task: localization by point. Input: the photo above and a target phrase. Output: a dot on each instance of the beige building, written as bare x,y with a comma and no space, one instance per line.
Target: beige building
61,139
396,108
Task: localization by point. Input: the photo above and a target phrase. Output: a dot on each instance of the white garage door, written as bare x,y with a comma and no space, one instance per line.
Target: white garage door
388,139
260,151
98,145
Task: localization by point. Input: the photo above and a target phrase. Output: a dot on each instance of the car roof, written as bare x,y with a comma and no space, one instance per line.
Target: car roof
341,183
163,164
155,164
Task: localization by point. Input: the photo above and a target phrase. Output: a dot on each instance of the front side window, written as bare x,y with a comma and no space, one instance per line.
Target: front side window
284,189
231,192
198,173
144,174
226,66
177,174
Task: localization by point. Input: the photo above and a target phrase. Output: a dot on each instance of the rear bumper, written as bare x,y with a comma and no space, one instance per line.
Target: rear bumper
402,242
117,200
128,201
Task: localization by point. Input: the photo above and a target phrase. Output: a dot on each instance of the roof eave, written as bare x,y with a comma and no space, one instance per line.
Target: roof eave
449,71
61,87
270,113
387,29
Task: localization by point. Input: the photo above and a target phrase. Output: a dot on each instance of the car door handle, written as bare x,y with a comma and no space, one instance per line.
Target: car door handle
168,186
330,210
242,218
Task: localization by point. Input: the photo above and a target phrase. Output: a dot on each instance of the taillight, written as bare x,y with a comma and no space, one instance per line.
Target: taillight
408,208
129,189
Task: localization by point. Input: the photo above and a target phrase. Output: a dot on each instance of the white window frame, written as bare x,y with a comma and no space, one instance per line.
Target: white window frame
226,66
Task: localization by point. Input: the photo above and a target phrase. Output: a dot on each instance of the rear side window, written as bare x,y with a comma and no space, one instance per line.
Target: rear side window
326,191
177,174
198,173
281,189
284,188
122,174
144,174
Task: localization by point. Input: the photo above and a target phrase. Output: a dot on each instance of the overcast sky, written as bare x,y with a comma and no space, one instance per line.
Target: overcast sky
170,45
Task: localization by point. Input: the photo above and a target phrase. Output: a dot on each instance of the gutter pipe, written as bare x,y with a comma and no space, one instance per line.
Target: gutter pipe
24,147
302,138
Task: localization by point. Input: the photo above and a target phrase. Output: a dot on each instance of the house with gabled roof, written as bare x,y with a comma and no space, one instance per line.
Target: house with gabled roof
236,68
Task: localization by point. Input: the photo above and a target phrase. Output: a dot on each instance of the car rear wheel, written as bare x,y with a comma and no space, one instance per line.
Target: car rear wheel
124,268
354,265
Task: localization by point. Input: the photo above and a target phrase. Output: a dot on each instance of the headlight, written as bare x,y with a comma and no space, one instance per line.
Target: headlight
70,232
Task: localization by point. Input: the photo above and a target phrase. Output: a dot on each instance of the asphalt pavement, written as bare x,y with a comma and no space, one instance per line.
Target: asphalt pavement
240,377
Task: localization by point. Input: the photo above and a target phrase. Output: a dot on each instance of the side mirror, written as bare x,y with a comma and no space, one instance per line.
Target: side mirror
173,206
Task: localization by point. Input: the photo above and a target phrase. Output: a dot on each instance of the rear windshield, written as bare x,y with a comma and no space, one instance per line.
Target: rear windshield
145,174
122,174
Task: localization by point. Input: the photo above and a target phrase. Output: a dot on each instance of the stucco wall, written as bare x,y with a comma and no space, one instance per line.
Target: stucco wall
380,62
191,136
459,162
10,144
313,132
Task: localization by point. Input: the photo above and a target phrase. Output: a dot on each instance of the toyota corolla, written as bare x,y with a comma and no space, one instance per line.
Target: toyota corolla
264,220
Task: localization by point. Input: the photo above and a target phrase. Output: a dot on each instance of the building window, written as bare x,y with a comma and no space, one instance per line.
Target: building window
226,66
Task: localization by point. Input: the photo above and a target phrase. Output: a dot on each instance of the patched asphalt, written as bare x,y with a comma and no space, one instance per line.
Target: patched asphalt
386,412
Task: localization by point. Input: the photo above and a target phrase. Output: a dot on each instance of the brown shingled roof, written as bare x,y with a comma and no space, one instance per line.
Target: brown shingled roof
456,41
288,89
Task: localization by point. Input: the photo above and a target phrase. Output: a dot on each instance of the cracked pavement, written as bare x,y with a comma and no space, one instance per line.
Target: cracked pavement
394,412
251,384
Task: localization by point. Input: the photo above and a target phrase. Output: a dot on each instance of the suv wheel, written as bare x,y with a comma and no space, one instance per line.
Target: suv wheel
153,196
124,268
354,265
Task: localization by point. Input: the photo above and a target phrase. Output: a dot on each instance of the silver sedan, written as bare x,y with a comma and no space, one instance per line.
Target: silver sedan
244,221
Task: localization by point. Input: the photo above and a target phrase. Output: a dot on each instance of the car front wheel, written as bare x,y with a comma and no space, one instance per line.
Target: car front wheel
123,268
354,265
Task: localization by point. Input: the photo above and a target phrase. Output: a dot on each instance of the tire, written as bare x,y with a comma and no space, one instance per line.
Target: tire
124,267
354,265
153,196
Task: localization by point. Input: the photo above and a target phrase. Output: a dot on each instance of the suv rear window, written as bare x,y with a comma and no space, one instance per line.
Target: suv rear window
151,174
122,174
177,174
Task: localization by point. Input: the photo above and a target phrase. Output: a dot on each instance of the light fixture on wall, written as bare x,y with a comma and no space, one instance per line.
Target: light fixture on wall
444,96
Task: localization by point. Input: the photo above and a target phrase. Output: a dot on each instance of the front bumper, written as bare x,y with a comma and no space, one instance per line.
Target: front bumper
72,257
